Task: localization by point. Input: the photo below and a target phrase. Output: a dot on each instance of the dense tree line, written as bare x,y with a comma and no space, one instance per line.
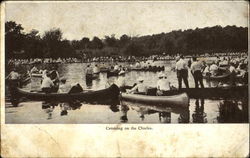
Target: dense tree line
51,44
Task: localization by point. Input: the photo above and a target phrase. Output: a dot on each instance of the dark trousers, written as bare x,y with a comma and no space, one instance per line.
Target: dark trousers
198,78
182,75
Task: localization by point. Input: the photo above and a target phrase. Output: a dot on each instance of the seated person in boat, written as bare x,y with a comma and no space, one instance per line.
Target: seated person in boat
121,82
140,88
214,69
233,72
163,84
137,64
89,71
96,69
34,69
64,87
47,84
116,67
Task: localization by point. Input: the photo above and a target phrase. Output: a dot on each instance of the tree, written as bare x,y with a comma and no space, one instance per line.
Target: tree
51,40
14,38
96,43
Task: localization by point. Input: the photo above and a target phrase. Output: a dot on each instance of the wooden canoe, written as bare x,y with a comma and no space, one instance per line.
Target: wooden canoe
153,69
224,76
103,96
112,73
208,92
174,100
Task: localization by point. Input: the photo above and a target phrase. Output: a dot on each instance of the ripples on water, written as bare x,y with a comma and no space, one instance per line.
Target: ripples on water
199,111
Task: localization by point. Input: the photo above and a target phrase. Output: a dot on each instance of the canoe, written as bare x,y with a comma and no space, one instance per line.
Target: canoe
104,96
153,69
103,69
112,73
36,75
224,76
208,92
174,100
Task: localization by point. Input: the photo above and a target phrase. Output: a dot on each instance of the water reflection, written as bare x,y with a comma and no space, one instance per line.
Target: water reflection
199,116
233,111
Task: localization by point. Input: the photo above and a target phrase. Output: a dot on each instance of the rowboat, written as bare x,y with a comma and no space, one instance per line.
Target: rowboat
36,75
174,100
103,96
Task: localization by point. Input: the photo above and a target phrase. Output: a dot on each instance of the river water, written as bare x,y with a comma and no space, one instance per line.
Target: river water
199,110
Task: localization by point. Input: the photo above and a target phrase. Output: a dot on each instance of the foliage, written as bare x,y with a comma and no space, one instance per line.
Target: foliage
198,41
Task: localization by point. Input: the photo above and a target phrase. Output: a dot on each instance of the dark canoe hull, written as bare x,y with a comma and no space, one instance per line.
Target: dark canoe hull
209,93
112,73
153,69
103,96
174,100
225,76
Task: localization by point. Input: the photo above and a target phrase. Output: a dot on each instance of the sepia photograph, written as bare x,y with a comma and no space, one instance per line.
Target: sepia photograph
117,62
124,79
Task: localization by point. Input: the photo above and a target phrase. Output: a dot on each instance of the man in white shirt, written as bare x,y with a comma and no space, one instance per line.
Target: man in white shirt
182,72
140,88
196,69
214,69
64,87
47,84
163,84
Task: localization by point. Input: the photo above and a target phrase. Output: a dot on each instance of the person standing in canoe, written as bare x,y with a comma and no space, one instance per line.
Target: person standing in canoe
163,84
140,88
182,71
196,68
47,84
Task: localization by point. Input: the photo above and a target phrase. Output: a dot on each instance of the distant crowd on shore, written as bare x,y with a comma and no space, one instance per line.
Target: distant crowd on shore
116,58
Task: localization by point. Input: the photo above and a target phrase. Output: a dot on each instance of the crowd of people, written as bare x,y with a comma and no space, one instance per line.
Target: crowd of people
237,67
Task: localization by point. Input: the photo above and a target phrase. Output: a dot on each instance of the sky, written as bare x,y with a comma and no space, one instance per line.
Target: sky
89,19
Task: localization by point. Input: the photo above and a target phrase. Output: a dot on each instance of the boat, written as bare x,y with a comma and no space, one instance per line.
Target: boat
91,77
153,68
208,92
103,96
36,74
112,73
173,100
104,69
224,76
